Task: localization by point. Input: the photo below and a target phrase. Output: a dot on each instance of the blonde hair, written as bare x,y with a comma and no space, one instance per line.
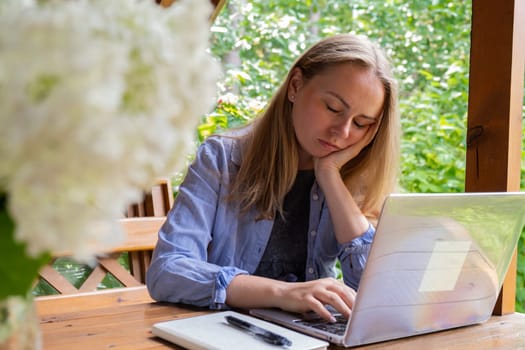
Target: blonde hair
270,156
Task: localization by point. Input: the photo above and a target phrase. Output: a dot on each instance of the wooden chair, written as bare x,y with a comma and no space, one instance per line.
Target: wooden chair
156,203
141,227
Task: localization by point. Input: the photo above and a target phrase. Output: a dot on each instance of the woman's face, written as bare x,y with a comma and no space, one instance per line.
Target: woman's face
334,109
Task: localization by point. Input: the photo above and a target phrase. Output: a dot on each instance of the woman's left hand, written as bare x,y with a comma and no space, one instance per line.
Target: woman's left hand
336,160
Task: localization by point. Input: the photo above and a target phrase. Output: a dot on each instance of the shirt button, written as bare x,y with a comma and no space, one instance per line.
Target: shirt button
310,270
315,196
313,233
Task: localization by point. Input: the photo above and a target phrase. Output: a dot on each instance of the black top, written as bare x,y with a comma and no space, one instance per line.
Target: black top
285,255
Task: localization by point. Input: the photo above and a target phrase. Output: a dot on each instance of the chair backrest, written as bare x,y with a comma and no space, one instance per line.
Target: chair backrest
141,227
157,202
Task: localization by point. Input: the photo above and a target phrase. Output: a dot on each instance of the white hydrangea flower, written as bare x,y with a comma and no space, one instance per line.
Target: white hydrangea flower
98,99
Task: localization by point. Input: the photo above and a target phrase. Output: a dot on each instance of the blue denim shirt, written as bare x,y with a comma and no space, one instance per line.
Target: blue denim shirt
205,243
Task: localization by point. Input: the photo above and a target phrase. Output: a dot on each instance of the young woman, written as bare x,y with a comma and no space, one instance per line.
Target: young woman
265,211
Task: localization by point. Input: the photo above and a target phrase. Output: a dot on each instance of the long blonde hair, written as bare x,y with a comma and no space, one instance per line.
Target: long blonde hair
270,158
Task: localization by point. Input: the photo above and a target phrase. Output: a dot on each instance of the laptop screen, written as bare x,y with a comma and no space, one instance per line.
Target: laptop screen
438,261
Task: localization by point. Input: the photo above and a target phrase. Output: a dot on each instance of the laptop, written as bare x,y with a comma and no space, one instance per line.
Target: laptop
437,262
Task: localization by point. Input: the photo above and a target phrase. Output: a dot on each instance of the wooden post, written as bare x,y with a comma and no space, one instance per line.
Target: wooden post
497,61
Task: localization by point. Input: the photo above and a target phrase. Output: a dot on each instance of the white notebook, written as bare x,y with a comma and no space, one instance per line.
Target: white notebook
211,331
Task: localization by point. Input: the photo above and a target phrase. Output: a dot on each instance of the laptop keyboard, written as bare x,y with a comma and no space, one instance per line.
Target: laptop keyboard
338,327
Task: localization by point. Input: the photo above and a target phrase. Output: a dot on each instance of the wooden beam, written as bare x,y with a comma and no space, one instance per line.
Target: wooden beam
48,305
494,130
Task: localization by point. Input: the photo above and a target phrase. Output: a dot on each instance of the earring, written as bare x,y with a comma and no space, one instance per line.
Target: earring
292,98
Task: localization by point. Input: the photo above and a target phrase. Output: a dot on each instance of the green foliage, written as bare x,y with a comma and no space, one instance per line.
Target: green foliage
428,41
17,270
520,278
77,273
429,44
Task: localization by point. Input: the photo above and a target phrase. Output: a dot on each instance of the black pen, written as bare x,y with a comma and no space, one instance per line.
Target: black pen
263,334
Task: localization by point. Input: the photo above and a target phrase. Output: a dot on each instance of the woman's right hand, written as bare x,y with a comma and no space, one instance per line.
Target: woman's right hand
248,291
313,295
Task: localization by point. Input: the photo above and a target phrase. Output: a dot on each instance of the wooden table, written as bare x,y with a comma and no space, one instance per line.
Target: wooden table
122,319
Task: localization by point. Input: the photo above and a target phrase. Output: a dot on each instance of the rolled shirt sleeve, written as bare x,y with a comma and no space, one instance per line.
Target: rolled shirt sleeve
353,256
181,271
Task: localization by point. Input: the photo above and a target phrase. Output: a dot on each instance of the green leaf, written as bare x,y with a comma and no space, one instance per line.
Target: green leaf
18,270
39,89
